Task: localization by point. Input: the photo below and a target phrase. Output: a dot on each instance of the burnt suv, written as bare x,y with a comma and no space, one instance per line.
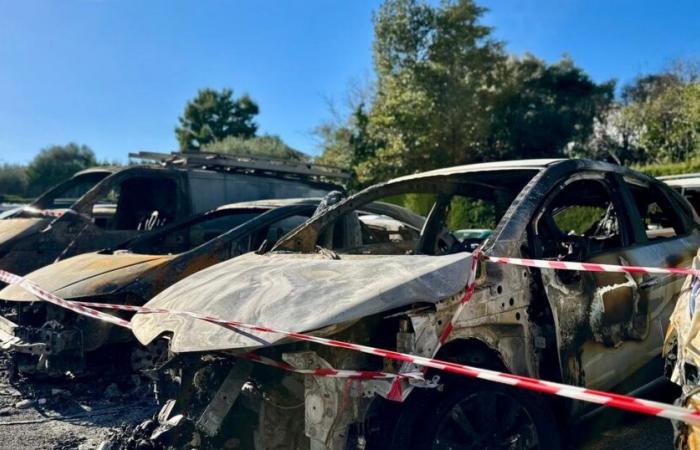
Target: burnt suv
598,330
102,207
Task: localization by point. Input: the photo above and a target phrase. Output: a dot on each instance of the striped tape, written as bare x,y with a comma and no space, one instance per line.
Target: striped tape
49,297
618,401
589,267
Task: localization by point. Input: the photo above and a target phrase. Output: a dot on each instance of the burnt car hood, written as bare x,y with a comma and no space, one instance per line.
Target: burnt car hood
86,275
11,229
295,292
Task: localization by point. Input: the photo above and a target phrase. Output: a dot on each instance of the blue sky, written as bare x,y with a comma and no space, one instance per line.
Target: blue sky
115,74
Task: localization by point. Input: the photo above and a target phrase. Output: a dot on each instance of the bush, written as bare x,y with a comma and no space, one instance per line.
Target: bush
13,180
56,164
691,165
269,146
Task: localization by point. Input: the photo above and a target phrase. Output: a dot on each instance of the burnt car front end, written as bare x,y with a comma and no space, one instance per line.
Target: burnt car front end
216,391
49,340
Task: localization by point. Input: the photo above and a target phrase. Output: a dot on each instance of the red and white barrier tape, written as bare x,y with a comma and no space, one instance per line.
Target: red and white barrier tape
589,267
330,372
397,391
573,392
623,402
51,213
47,296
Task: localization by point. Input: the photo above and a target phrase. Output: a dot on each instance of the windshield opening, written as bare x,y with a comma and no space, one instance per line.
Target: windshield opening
65,194
460,212
191,234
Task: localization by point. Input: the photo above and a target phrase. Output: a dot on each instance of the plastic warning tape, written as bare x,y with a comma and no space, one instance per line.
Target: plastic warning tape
51,213
468,294
396,391
589,267
548,387
330,372
47,296
87,309
618,401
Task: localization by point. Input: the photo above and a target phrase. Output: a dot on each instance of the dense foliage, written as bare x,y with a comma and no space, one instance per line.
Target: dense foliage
445,92
13,180
50,166
212,116
57,163
270,146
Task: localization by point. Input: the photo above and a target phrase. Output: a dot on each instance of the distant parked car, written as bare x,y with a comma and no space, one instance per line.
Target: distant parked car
688,185
102,207
50,340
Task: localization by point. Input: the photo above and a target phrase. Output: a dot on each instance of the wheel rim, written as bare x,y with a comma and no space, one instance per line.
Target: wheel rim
486,420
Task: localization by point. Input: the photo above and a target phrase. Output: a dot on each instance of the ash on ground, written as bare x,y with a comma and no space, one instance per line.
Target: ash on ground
80,413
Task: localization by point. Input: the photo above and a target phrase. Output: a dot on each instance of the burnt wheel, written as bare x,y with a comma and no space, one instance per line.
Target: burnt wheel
480,415
485,420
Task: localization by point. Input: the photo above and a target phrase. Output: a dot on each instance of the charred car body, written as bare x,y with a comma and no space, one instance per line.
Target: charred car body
114,205
682,355
50,340
599,330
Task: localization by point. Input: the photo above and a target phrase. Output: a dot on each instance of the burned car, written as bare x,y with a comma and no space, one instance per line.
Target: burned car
21,221
682,355
50,340
598,330
100,208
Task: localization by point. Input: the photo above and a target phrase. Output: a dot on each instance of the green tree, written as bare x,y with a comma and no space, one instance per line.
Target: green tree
669,123
57,163
649,87
446,93
348,144
654,122
544,110
436,70
214,115
335,143
270,146
615,138
13,180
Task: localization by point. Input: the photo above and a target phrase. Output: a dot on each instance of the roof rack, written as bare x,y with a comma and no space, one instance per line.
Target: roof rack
244,163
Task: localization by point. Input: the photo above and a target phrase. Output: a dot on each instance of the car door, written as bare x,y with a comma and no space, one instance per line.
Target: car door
611,325
634,320
585,219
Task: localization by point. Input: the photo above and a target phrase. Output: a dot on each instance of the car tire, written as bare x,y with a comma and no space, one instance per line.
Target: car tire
476,415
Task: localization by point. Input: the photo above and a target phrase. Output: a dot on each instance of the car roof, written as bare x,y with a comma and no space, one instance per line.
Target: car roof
270,203
482,167
99,169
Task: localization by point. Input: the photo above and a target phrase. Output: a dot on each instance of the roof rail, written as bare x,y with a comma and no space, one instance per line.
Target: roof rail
679,176
244,163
